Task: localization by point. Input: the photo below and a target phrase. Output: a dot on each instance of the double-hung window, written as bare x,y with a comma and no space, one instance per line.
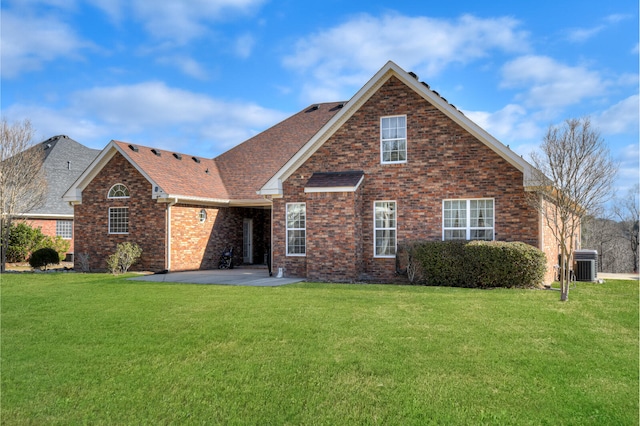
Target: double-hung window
296,229
393,139
118,220
384,233
468,219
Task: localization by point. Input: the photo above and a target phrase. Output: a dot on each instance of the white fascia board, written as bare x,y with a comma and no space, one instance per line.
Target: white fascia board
43,216
462,120
189,199
274,185
74,193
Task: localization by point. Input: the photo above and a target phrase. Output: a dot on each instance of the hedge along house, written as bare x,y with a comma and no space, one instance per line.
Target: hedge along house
329,192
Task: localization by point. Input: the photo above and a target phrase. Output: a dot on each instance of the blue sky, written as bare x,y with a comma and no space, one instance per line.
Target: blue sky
200,76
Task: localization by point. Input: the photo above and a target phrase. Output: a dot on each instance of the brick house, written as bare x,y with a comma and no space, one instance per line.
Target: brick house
328,193
63,161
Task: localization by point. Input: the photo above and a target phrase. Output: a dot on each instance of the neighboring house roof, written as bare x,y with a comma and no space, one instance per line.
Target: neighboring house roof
64,160
274,185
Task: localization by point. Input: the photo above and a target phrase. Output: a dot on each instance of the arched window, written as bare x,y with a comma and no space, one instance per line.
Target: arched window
202,215
118,191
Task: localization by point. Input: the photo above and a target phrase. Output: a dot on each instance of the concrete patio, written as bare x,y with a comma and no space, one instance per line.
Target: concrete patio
255,277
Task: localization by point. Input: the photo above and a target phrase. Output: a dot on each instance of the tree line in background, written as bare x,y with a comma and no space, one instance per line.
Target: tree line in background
615,236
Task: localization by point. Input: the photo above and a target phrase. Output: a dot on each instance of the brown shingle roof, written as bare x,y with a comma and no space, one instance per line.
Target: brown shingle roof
248,166
176,173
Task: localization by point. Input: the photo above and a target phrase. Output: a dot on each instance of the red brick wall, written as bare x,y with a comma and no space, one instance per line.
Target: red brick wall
196,245
147,221
444,162
48,227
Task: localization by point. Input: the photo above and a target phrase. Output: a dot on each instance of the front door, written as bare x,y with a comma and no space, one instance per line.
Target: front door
247,241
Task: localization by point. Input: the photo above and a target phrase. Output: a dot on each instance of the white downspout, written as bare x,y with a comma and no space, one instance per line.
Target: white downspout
168,245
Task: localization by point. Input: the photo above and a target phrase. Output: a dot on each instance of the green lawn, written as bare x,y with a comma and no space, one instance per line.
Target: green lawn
94,349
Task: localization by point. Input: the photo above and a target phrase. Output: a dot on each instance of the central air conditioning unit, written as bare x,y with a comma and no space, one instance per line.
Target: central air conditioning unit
586,265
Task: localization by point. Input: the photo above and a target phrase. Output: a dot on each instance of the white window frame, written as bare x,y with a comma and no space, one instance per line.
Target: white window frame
64,229
117,219
394,139
298,229
468,228
393,228
120,187
202,216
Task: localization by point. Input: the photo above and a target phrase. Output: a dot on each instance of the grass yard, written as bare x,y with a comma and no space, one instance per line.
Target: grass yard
95,349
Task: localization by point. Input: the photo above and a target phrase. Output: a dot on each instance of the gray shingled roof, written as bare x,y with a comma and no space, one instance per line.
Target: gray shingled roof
64,161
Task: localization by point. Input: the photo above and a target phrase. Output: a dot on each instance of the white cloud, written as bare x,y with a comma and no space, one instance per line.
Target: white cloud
186,65
150,113
348,54
183,21
511,124
580,35
622,117
244,45
29,42
550,84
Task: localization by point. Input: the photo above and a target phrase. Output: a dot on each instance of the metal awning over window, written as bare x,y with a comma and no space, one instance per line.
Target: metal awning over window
347,181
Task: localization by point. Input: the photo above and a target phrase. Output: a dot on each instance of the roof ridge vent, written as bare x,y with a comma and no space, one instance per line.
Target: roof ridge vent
313,107
133,148
414,75
178,156
156,152
196,159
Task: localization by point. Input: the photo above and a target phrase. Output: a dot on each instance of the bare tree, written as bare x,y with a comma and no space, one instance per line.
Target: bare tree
628,211
22,182
573,179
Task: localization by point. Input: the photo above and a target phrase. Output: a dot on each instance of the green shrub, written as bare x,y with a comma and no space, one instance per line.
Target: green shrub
23,239
57,243
125,256
477,264
44,257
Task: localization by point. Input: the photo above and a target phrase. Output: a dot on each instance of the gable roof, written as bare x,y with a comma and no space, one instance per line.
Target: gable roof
64,160
274,185
172,175
248,166
232,178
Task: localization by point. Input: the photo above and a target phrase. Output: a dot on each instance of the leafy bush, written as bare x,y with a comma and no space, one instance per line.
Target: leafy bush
125,256
57,243
44,257
23,239
478,264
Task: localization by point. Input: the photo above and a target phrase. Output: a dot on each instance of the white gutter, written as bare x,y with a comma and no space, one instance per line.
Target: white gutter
168,245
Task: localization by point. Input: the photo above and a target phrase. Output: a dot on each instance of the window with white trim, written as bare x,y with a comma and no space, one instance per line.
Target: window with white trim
296,229
384,229
118,191
202,216
468,219
393,139
118,220
64,229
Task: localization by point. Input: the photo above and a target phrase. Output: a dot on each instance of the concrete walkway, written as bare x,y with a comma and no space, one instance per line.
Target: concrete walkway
610,276
256,277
